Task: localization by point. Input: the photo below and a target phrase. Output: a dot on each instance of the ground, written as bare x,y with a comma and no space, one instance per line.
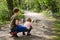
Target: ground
42,30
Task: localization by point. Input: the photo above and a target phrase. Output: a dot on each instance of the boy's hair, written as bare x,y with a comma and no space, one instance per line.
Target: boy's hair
15,10
29,19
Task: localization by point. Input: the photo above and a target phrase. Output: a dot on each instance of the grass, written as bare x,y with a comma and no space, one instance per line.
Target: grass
49,14
57,25
57,30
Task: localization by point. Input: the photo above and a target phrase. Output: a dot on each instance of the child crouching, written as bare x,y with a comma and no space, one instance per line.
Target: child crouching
28,25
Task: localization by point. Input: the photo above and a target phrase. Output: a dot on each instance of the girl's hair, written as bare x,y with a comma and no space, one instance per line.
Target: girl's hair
15,10
29,19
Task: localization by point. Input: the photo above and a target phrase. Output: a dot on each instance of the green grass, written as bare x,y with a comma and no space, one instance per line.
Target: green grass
57,30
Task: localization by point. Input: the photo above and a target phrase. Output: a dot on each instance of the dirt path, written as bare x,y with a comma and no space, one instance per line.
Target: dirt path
41,31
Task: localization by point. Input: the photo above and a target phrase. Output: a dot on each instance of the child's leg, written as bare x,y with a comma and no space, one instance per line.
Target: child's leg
23,33
13,32
21,28
29,30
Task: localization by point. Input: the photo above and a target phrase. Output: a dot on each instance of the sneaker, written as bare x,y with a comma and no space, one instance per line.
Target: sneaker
11,33
14,36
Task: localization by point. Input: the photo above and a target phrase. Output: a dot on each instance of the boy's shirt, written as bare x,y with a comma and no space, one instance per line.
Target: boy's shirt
13,19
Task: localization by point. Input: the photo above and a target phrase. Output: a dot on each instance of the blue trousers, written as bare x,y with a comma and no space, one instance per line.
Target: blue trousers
20,28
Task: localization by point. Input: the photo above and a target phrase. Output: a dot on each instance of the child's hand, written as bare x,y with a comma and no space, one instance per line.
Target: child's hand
28,27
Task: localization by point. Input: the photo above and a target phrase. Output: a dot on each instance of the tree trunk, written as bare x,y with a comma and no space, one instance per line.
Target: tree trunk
19,2
10,7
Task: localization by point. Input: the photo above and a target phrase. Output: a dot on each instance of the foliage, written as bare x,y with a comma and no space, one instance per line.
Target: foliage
31,5
57,30
3,11
21,16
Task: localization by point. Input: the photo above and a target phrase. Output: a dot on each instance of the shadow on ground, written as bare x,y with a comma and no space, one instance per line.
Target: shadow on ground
32,37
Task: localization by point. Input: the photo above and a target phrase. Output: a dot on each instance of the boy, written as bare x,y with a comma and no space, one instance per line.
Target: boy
15,27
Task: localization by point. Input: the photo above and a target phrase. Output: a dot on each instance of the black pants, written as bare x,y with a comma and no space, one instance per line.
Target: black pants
28,31
13,29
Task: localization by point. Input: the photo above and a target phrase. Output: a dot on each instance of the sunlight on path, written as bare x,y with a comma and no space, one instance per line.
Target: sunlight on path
34,15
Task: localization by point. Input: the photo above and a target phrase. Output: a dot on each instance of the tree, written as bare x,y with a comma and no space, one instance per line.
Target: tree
10,6
19,2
